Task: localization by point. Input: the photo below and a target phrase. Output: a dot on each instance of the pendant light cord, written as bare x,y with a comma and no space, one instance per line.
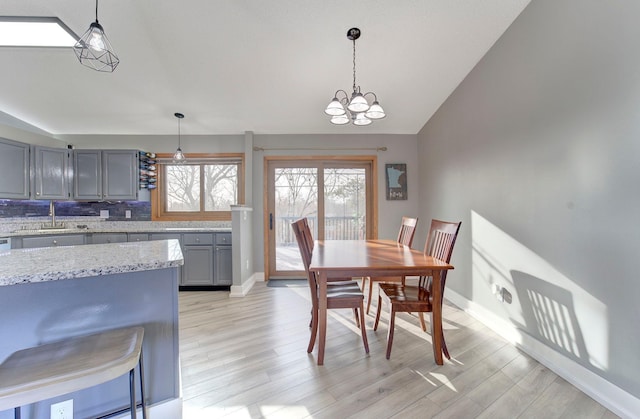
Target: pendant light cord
96,11
179,132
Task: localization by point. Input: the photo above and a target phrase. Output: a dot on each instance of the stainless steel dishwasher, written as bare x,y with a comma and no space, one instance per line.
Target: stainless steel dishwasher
5,243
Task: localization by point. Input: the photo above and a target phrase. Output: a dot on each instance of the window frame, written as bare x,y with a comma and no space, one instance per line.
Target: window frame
158,198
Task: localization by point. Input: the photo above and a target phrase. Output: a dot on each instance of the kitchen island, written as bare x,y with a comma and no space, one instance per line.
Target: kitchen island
49,294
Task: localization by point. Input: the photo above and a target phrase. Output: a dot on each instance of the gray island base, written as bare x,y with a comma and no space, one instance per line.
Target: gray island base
48,294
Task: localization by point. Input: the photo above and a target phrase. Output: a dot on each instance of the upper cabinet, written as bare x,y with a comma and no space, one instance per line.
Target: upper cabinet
105,174
87,174
36,172
14,169
120,174
51,173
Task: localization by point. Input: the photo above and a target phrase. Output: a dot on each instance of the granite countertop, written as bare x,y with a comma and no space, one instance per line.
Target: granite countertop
23,266
79,226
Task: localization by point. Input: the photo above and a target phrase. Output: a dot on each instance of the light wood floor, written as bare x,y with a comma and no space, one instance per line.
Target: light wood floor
246,358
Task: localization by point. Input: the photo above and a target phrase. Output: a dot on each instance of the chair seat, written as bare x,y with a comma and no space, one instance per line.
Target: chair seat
406,297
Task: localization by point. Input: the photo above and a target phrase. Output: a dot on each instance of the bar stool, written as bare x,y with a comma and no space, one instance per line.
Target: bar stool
53,369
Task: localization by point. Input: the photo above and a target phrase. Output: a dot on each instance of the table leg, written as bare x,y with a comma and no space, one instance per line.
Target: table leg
322,315
436,316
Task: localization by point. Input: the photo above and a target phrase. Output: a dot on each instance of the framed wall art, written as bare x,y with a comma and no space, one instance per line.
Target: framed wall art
396,181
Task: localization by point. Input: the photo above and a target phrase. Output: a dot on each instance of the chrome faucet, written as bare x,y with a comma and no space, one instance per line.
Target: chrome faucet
52,214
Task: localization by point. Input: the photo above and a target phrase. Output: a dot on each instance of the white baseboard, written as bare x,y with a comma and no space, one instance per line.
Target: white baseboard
242,290
168,409
604,392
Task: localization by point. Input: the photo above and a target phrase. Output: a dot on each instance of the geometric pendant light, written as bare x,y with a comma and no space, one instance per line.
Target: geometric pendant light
94,49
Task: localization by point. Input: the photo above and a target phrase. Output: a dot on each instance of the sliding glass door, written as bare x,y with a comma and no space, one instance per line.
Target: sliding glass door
334,194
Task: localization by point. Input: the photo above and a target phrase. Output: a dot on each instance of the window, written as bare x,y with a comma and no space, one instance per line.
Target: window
203,188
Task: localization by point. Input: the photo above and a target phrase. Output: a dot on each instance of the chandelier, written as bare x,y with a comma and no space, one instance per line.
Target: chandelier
178,156
357,109
94,50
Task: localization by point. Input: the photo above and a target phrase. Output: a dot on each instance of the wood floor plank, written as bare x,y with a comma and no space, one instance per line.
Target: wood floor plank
246,358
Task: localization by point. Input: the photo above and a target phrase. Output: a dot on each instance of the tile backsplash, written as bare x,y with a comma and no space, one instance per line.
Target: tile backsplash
140,210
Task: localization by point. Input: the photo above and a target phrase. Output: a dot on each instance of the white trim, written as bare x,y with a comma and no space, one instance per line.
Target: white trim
604,392
242,290
168,409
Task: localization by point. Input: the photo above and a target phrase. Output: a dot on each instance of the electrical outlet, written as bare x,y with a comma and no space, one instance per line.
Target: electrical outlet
104,213
62,410
127,214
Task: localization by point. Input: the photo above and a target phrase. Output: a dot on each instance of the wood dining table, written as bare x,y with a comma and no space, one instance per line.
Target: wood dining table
361,258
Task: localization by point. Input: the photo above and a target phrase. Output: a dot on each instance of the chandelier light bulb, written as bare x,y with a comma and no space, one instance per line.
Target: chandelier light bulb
335,108
375,111
340,119
358,103
361,120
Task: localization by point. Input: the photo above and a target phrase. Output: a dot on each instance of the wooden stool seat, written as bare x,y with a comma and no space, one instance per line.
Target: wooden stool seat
45,371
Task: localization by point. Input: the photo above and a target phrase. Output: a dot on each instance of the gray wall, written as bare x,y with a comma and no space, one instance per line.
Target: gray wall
537,153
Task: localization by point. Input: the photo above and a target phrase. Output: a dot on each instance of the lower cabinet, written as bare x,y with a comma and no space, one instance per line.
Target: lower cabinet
50,241
223,266
207,258
198,266
101,238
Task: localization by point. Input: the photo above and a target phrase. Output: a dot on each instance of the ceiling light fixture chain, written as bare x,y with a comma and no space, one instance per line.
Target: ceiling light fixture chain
353,38
355,109
94,50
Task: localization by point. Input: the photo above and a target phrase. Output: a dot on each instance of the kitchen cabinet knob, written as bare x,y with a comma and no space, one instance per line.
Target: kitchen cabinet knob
55,242
197,240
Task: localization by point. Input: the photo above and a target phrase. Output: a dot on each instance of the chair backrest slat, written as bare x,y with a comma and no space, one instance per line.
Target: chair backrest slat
441,239
407,231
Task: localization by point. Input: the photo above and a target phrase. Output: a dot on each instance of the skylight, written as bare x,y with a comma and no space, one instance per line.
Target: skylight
18,31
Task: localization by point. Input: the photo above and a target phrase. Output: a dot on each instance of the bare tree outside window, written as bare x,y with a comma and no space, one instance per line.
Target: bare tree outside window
183,187
221,186
203,188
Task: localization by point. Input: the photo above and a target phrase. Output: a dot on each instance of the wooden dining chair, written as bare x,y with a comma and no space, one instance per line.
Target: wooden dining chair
405,237
417,298
341,294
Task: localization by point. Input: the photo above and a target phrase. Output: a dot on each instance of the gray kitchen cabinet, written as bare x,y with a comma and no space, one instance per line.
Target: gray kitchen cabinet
101,238
53,240
223,263
198,266
87,174
14,169
120,174
51,173
105,174
138,237
223,260
198,259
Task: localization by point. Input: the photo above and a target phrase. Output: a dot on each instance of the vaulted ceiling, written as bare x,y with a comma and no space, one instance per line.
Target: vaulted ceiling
232,66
